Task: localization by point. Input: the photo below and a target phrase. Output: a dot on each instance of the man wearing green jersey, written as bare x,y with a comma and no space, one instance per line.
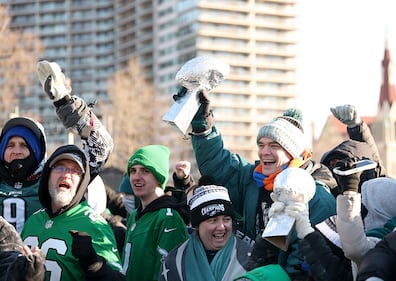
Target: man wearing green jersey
77,242
159,223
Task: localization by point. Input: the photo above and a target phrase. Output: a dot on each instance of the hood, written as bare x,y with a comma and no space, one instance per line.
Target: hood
27,168
166,201
323,174
44,196
377,195
347,149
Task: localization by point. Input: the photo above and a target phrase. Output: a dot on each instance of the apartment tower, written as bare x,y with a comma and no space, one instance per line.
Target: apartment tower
92,39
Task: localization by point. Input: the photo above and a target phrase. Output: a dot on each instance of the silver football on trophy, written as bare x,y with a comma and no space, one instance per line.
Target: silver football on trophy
200,73
203,73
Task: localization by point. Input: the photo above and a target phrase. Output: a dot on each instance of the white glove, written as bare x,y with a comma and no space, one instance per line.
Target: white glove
299,211
54,82
347,114
276,209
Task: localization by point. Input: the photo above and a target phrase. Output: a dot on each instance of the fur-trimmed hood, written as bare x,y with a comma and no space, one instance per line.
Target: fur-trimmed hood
44,195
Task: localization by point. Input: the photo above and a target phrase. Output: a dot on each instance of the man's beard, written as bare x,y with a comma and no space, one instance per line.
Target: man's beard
62,198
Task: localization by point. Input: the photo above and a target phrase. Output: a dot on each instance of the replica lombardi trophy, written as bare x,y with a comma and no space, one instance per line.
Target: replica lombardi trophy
200,73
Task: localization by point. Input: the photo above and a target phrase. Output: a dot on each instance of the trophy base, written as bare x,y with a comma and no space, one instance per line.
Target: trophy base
278,231
182,112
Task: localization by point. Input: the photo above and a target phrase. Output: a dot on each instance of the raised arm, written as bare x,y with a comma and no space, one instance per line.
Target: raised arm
76,114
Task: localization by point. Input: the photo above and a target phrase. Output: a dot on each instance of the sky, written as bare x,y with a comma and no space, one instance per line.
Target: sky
340,47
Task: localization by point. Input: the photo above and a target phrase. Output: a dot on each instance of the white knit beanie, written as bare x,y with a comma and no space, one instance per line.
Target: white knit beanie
288,132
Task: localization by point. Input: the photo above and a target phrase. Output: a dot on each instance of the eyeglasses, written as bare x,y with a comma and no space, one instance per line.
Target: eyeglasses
63,169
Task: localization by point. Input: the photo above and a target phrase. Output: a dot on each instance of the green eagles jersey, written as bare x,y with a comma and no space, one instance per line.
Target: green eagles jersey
16,205
52,236
148,239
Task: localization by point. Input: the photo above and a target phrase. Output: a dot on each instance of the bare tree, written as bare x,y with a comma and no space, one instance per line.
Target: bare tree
19,51
134,118
130,115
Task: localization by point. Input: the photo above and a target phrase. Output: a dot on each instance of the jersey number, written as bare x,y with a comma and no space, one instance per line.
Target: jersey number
14,212
55,271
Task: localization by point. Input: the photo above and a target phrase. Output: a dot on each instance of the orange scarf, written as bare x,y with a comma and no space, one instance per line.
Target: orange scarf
268,181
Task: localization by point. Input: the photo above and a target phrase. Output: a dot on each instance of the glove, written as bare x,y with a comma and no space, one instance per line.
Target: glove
203,119
350,182
181,92
347,114
53,81
299,211
83,250
71,109
276,209
183,169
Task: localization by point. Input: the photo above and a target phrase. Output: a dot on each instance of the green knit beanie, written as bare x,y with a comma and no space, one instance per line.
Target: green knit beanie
271,272
155,158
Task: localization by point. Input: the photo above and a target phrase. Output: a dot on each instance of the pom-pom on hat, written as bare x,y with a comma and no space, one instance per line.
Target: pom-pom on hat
155,158
287,130
209,201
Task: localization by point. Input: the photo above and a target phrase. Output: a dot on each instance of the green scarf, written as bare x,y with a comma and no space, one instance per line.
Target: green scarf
198,266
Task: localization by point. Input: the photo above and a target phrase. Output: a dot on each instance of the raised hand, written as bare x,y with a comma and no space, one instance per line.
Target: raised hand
54,82
183,169
347,114
348,182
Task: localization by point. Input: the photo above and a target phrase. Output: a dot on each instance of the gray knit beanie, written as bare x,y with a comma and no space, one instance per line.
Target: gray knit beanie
287,131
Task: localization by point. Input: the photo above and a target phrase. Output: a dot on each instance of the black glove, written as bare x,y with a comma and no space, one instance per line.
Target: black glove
83,250
350,182
203,119
181,92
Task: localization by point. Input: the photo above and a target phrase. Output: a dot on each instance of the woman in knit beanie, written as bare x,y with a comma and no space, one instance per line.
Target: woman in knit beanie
213,252
157,225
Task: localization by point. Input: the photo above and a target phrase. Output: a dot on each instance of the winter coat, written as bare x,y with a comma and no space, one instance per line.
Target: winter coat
362,133
14,265
358,237
380,261
325,260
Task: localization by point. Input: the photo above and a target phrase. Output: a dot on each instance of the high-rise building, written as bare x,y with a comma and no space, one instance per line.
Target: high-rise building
79,35
91,39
